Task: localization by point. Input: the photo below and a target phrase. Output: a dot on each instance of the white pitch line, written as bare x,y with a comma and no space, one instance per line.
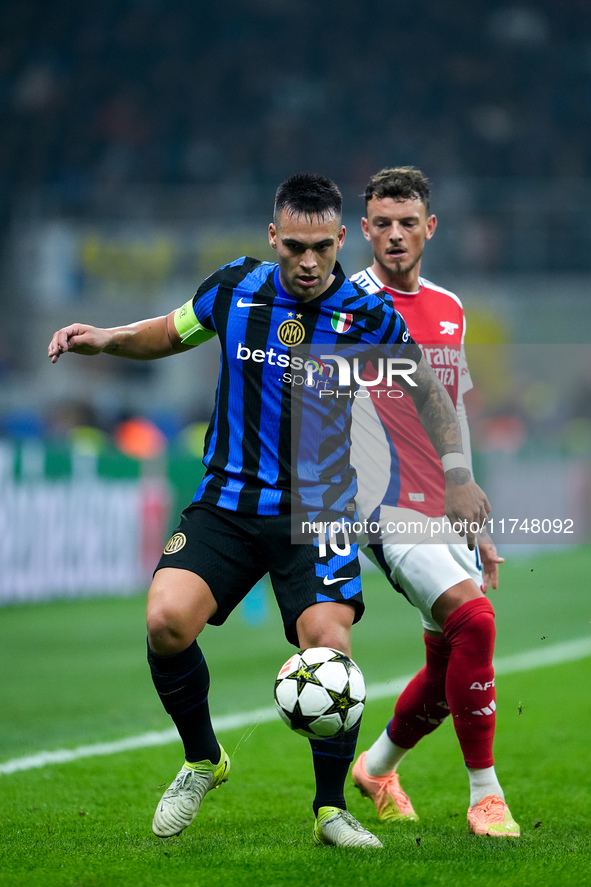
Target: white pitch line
541,657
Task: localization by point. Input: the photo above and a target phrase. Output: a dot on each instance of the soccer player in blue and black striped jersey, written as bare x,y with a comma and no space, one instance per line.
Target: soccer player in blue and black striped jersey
273,449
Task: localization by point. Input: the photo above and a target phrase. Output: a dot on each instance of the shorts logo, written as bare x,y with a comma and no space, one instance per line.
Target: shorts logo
175,543
291,333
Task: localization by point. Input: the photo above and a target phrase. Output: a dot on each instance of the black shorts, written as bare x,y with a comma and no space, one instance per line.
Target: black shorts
231,552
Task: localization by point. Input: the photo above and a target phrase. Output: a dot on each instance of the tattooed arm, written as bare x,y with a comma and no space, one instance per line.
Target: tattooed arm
464,500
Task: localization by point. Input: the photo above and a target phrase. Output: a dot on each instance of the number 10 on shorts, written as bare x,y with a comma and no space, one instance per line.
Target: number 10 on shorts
328,533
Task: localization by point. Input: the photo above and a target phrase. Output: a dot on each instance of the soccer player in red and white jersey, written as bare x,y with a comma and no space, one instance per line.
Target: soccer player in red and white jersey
401,491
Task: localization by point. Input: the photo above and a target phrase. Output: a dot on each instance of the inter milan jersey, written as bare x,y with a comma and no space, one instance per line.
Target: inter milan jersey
404,470
249,450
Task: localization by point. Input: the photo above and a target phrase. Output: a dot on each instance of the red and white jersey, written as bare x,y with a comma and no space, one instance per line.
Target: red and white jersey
396,463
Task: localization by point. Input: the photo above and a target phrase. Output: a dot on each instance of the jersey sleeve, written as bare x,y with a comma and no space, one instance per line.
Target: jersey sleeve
194,320
226,278
465,379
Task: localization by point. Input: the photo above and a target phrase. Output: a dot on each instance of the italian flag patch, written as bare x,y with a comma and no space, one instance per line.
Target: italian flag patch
341,322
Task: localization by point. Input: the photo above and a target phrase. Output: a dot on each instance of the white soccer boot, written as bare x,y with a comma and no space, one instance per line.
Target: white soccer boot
181,801
339,828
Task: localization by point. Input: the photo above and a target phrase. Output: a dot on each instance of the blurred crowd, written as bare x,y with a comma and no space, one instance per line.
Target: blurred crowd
96,96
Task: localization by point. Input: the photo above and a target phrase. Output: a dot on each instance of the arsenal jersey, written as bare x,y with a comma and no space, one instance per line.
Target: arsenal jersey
395,461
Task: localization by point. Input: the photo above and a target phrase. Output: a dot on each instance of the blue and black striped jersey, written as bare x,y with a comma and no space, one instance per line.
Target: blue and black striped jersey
275,442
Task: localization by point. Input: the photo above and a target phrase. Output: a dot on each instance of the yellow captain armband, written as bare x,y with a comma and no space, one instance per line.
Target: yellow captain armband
188,327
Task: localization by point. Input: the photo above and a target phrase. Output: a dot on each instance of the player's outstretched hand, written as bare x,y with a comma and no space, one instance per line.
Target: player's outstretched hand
78,337
490,560
466,504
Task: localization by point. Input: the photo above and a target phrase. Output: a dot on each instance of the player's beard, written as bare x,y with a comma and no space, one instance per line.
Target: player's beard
398,268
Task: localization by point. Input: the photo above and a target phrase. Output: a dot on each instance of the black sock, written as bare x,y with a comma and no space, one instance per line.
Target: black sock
332,759
182,682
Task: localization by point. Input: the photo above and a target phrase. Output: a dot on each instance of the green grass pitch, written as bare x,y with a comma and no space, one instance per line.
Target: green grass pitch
74,673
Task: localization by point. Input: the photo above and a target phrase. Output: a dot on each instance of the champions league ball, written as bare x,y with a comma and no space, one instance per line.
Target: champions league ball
320,693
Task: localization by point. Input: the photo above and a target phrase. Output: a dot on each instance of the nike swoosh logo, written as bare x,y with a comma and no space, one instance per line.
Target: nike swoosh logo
327,581
242,304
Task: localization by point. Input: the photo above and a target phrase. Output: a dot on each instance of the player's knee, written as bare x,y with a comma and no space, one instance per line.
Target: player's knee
454,598
474,619
326,625
167,631
179,606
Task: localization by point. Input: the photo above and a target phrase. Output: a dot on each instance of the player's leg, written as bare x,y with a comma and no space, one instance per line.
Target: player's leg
420,709
180,603
422,572
326,624
329,625
319,614
467,619
443,583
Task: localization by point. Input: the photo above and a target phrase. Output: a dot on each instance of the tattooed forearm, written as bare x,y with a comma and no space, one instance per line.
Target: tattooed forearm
459,476
436,412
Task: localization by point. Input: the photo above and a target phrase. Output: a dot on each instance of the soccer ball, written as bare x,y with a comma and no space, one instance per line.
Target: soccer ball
320,693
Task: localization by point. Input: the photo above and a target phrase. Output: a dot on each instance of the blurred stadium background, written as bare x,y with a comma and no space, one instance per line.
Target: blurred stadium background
142,142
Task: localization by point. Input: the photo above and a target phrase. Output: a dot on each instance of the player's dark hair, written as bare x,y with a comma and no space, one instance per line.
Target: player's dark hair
399,183
308,195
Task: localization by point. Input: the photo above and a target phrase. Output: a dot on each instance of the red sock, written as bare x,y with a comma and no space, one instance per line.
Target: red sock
470,684
421,707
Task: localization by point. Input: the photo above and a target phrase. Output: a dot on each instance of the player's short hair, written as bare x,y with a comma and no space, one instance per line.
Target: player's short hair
309,195
400,183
